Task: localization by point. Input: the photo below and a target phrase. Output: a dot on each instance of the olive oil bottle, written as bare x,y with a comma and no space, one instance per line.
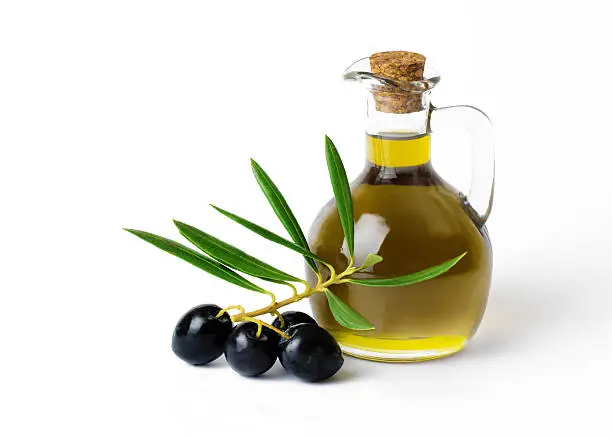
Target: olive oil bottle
405,212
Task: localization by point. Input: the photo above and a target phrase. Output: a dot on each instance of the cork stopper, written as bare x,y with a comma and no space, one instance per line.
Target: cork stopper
402,67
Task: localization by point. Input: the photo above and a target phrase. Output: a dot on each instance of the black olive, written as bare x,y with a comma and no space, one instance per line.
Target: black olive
311,353
248,354
199,337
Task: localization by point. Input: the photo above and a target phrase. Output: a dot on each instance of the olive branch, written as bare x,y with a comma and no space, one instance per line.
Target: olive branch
223,260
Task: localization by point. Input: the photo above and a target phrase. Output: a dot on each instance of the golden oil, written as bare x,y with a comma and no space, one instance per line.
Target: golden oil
407,214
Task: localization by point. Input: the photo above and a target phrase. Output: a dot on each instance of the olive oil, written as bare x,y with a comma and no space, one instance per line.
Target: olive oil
406,213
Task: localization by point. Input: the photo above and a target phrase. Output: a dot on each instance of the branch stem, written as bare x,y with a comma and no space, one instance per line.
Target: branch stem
334,278
260,325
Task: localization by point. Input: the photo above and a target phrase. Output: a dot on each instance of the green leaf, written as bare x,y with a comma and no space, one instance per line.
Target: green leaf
197,259
231,256
281,209
342,192
410,279
268,235
371,260
345,315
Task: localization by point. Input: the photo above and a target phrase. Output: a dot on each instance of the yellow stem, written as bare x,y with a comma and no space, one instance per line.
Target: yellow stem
334,278
319,279
231,307
272,296
320,287
332,271
261,324
280,318
293,289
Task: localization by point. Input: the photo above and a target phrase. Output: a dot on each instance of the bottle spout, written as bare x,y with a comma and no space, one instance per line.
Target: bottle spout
397,85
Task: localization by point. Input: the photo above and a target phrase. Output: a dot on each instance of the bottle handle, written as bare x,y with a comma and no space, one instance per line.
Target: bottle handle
479,126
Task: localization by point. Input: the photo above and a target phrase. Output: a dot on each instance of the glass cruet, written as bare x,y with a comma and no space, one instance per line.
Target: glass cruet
408,214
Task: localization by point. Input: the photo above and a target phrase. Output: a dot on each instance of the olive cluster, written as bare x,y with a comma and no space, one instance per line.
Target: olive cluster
306,350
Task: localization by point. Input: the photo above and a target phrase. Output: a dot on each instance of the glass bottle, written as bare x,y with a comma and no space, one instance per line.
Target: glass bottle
405,212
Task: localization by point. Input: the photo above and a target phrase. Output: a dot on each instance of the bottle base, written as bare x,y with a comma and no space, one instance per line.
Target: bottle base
400,350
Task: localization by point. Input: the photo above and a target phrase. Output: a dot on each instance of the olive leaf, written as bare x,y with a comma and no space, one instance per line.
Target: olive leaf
410,279
342,192
230,255
281,209
268,235
345,315
197,259
371,260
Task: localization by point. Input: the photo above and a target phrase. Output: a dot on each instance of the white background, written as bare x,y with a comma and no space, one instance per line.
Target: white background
130,113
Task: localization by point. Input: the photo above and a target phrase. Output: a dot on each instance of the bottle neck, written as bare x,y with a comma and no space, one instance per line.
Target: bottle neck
398,161
397,150
398,139
411,123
